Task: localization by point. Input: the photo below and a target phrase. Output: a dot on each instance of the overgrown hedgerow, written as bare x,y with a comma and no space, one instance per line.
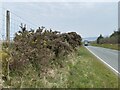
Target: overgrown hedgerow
41,48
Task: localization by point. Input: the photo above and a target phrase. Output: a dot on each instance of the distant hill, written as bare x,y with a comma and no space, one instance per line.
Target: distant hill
90,38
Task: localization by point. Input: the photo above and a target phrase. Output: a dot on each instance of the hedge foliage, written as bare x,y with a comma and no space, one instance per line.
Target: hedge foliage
114,38
41,48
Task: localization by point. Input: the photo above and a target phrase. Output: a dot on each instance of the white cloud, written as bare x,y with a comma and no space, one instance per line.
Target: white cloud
86,18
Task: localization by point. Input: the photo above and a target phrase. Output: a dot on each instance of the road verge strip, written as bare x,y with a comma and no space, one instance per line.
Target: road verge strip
116,72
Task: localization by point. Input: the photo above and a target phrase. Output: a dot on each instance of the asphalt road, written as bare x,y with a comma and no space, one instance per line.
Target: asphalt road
107,56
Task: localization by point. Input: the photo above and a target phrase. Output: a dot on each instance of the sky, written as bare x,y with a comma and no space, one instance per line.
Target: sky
89,19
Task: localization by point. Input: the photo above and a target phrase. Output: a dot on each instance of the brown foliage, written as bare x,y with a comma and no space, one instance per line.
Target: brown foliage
40,47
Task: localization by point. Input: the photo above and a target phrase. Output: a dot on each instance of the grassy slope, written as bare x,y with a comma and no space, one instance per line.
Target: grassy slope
1,54
81,70
90,72
110,46
0,69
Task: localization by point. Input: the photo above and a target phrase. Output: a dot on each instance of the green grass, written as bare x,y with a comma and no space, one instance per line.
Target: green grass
110,46
89,72
81,70
0,54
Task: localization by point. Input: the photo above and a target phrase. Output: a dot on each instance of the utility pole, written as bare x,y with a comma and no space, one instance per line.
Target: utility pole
8,26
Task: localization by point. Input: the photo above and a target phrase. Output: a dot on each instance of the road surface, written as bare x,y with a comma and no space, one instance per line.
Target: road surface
107,56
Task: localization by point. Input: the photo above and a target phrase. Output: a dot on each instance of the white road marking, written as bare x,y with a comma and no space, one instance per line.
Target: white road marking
104,61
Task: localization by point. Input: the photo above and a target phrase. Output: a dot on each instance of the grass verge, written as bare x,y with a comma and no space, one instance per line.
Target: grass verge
89,72
81,70
110,46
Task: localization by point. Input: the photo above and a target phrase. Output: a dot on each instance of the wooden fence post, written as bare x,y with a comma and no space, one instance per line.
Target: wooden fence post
8,26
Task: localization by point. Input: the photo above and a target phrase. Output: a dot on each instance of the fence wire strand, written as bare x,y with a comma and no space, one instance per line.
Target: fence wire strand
15,22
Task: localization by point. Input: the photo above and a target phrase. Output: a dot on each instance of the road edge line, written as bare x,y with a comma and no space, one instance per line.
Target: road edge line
103,61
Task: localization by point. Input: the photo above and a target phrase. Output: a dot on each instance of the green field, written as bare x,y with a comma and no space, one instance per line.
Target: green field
81,70
110,46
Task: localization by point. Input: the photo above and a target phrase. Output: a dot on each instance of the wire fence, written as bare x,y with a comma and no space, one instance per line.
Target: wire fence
15,22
